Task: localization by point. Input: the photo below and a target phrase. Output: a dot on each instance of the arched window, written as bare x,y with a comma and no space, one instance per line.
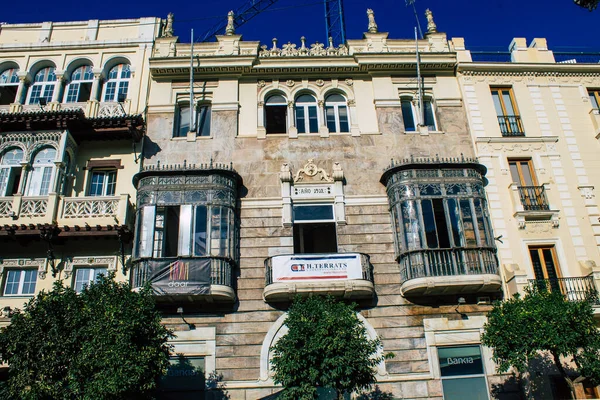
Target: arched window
80,86
410,114
43,87
42,173
201,120
336,113
276,114
9,83
117,83
307,120
10,171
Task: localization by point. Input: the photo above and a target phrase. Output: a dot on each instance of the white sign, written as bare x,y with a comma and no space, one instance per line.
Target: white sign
313,191
316,267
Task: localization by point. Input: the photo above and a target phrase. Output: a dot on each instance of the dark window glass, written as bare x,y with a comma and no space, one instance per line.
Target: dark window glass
407,115
466,388
172,231
276,118
455,361
429,221
313,213
429,117
200,230
315,238
203,122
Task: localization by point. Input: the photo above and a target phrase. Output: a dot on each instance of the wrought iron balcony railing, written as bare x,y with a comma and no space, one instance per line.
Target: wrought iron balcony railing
511,125
448,262
574,289
533,198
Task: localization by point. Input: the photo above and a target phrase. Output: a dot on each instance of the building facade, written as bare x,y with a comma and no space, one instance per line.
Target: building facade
298,169
71,98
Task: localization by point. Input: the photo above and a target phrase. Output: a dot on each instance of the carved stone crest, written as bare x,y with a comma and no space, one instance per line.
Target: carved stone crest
311,173
320,82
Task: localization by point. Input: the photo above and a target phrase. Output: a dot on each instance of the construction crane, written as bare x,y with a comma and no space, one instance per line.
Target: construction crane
334,19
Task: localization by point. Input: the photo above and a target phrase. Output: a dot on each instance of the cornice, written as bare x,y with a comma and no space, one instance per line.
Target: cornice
528,69
522,139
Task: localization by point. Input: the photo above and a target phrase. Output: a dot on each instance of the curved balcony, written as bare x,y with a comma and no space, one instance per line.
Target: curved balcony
449,271
186,280
346,275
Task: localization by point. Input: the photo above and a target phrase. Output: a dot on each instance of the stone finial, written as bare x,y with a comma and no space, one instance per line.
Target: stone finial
431,26
230,28
372,28
168,26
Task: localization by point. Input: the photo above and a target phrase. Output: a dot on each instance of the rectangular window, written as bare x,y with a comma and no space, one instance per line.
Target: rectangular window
594,98
407,115
20,282
85,276
462,372
507,112
183,121
103,183
544,263
522,173
314,229
109,93
276,118
429,115
200,230
203,121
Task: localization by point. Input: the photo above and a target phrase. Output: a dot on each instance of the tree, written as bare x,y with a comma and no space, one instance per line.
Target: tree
589,4
326,346
544,321
106,342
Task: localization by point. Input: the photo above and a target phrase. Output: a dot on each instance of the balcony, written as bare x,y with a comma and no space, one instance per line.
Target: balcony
574,289
90,108
531,204
511,125
346,275
533,198
449,271
186,280
68,212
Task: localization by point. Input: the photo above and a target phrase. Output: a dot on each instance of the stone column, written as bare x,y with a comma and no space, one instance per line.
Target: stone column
96,85
25,167
17,106
323,130
292,130
58,91
353,116
261,131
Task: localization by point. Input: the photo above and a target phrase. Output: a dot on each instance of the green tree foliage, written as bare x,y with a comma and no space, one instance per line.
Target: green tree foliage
589,4
326,346
105,343
519,329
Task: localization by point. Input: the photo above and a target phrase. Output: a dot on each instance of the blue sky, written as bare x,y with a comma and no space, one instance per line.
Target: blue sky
484,24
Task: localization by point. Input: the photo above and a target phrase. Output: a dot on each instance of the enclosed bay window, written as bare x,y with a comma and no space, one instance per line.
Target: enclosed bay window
117,83
80,86
440,219
44,85
42,173
336,113
9,84
276,114
10,171
306,114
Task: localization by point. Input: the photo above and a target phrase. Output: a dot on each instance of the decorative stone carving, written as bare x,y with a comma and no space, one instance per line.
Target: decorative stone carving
349,82
230,28
261,84
289,50
317,49
168,26
290,82
320,103
39,263
310,172
261,103
285,173
109,262
431,26
587,192
351,102
372,28
320,82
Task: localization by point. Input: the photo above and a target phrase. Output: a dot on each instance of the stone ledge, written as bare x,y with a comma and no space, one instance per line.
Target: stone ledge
454,284
349,289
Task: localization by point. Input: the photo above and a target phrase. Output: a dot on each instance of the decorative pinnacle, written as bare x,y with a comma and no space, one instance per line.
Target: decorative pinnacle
372,28
431,26
230,28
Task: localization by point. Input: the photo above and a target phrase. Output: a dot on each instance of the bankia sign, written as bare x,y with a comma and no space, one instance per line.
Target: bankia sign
320,267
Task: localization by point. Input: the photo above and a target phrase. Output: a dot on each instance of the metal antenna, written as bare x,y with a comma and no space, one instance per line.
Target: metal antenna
412,3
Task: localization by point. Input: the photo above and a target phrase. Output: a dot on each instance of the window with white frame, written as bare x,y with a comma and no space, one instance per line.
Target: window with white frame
10,171
462,373
276,114
314,229
307,120
117,83
20,282
9,84
201,120
80,86
336,113
84,276
44,84
103,183
410,114
42,172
